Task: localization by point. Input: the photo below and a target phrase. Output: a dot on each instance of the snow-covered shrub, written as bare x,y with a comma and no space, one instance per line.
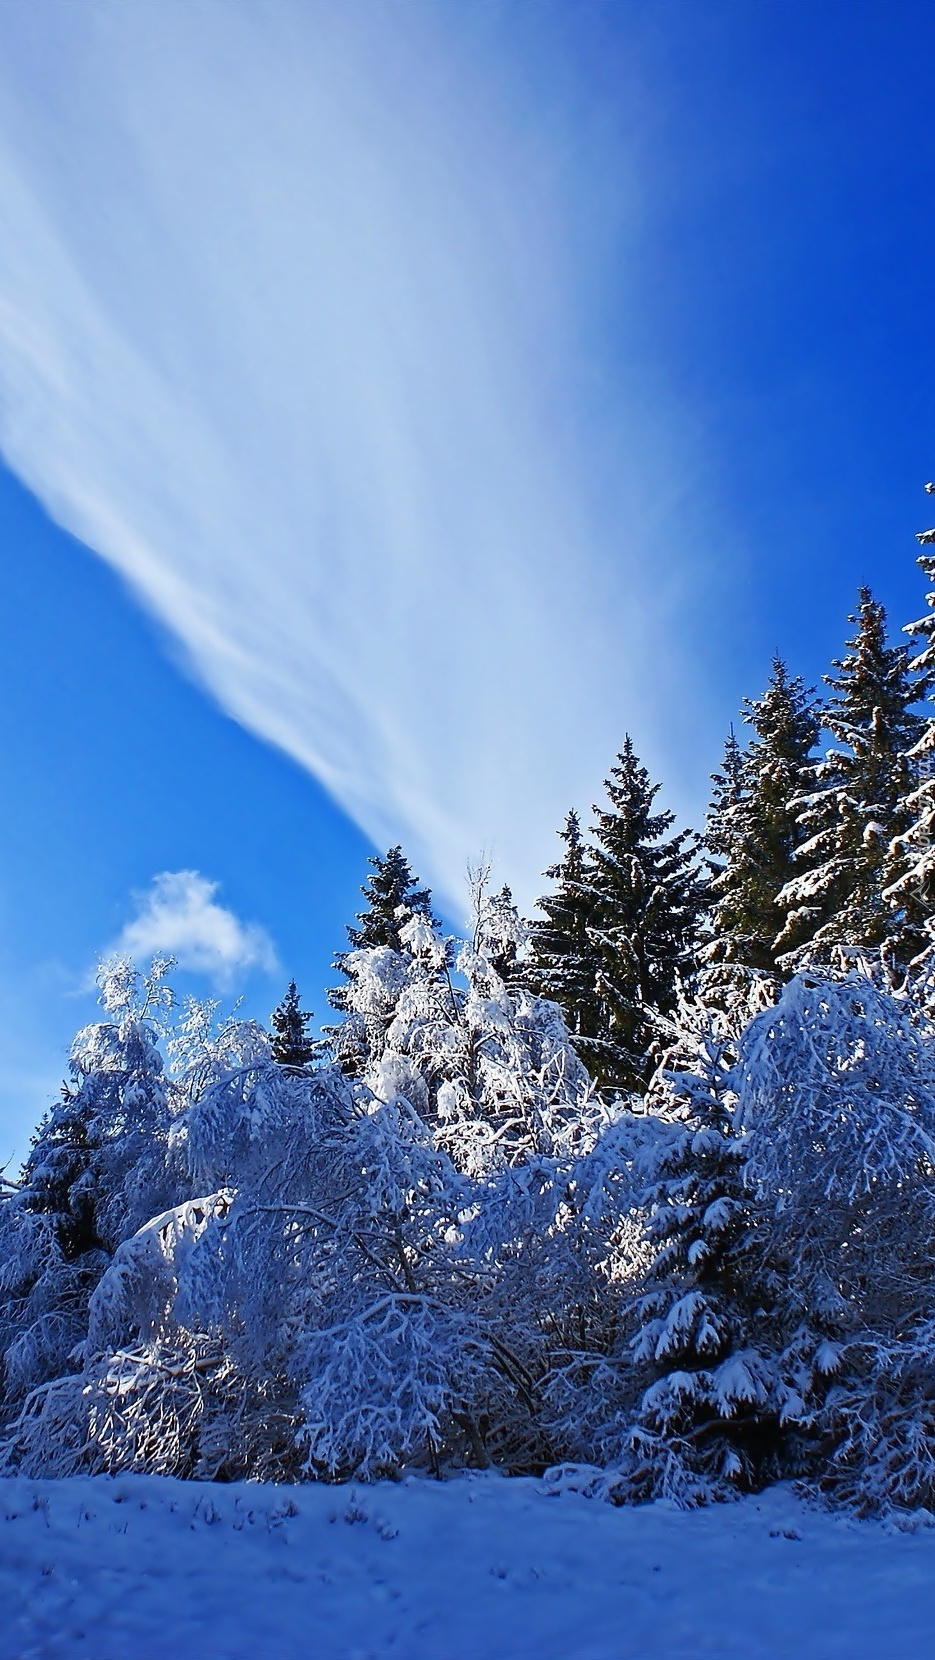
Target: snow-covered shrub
571,1268
340,1272
836,1089
324,1284
43,1299
463,1256
487,1065
786,1319
837,1095
317,1305
490,1071
158,1408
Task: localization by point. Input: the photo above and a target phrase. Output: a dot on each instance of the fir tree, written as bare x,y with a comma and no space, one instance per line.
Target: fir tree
393,897
291,1044
753,831
724,844
648,896
853,803
99,1155
563,965
390,889
99,1165
708,1410
911,865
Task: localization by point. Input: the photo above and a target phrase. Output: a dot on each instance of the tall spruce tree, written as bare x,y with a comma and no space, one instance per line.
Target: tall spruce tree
753,831
911,866
563,964
291,1044
853,802
724,845
648,896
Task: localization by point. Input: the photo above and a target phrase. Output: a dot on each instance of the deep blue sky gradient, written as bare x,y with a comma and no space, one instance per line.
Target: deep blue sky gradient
783,288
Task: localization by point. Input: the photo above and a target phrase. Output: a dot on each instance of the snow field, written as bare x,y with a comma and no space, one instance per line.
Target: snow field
477,1568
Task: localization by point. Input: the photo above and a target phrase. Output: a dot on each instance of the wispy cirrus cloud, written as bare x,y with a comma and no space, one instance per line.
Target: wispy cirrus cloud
179,916
287,335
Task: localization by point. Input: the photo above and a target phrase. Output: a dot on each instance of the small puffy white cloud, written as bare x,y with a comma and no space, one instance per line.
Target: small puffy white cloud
179,916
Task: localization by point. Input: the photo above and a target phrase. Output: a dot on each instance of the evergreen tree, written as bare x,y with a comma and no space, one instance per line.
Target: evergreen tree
853,803
391,888
753,831
563,964
291,1044
911,872
393,898
724,844
648,897
98,1158
709,1401
99,1166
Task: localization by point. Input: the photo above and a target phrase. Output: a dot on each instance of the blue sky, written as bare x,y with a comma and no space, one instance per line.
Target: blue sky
432,393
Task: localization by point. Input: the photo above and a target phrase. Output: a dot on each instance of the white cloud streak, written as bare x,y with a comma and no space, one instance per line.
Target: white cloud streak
179,916
284,337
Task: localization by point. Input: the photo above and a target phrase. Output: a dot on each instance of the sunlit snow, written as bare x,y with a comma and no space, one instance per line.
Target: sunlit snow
480,1568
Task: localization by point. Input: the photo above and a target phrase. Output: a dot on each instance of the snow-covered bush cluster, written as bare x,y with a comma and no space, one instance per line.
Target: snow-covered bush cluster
641,1194
464,1257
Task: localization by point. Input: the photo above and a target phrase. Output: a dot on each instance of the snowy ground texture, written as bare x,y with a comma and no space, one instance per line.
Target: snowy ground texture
480,1568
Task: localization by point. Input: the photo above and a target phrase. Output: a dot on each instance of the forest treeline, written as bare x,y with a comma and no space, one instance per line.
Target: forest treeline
638,1194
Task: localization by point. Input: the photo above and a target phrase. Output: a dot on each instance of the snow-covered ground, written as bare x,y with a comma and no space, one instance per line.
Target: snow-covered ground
481,1568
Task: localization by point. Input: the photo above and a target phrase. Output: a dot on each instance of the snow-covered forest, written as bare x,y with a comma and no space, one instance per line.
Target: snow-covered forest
637,1196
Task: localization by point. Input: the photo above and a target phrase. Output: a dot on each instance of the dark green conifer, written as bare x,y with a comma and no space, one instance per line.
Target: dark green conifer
723,833
59,1173
853,802
648,896
291,1045
911,863
391,887
563,964
753,830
